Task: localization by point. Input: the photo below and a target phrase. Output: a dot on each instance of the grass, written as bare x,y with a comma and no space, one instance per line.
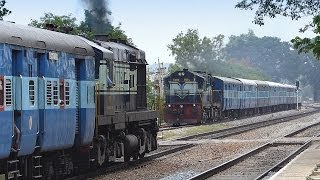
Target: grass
187,131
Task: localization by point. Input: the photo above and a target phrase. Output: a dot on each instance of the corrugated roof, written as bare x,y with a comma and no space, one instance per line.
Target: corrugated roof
11,33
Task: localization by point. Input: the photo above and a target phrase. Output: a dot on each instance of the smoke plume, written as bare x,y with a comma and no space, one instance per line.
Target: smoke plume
97,16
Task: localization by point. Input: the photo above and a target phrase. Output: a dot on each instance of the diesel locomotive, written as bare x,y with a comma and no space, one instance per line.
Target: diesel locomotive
193,97
69,104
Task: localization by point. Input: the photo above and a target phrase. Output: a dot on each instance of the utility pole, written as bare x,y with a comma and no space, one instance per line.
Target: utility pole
160,72
297,85
159,76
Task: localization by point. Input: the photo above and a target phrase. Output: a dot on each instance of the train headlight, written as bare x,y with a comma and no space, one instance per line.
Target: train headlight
181,106
169,105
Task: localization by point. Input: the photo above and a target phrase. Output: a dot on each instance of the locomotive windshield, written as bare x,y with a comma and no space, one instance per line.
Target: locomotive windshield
186,92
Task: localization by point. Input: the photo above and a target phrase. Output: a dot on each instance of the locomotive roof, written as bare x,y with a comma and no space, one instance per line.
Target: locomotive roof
140,55
201,75
167,77
247,81
228,80
107,54
37,38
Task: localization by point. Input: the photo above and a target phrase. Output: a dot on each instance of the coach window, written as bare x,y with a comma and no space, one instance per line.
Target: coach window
1,92
67,93
31,92
61,88
49,93
55,93
8,89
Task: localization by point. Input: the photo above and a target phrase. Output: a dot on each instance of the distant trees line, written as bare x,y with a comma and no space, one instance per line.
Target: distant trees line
246,56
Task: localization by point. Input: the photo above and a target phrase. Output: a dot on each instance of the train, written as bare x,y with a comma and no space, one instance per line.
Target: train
195,97
69,104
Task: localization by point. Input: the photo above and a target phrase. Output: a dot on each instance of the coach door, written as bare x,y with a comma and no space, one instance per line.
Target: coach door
41,60
17,56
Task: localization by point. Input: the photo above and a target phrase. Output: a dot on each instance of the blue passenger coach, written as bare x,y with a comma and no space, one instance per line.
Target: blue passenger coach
226,93
47,76
50,86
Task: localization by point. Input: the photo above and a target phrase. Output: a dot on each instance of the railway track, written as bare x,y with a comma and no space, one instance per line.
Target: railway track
308,131
123,165
240,129
167,150
259,162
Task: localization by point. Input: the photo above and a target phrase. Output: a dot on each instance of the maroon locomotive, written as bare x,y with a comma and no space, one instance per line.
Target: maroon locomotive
185,95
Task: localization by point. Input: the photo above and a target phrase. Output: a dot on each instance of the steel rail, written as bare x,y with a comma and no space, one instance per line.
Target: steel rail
123,165
243,128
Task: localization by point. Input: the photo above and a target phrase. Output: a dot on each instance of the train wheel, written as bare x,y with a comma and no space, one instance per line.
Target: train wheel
142,155
126,157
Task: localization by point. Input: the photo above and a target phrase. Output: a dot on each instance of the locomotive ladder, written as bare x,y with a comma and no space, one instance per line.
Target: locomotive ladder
13,169
37,167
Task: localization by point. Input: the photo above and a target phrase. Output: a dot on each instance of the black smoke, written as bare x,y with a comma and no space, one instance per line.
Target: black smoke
97,16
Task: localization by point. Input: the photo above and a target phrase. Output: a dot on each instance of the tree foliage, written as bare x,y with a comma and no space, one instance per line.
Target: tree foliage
117,33
207,54
306,45
3,11
273,57
194,52
61,22
288,8
293,9
66,22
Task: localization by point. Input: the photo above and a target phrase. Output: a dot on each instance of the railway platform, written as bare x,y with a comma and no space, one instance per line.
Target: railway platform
305,166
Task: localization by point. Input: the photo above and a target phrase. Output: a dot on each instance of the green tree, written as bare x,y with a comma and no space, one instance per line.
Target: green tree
293,9
273,57
173,67
61,22
207,54
192,51
288,8
3,11
65,22
118,33
307,44
276,59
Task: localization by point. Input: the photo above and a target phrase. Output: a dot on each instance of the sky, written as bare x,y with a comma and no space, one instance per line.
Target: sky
153,24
